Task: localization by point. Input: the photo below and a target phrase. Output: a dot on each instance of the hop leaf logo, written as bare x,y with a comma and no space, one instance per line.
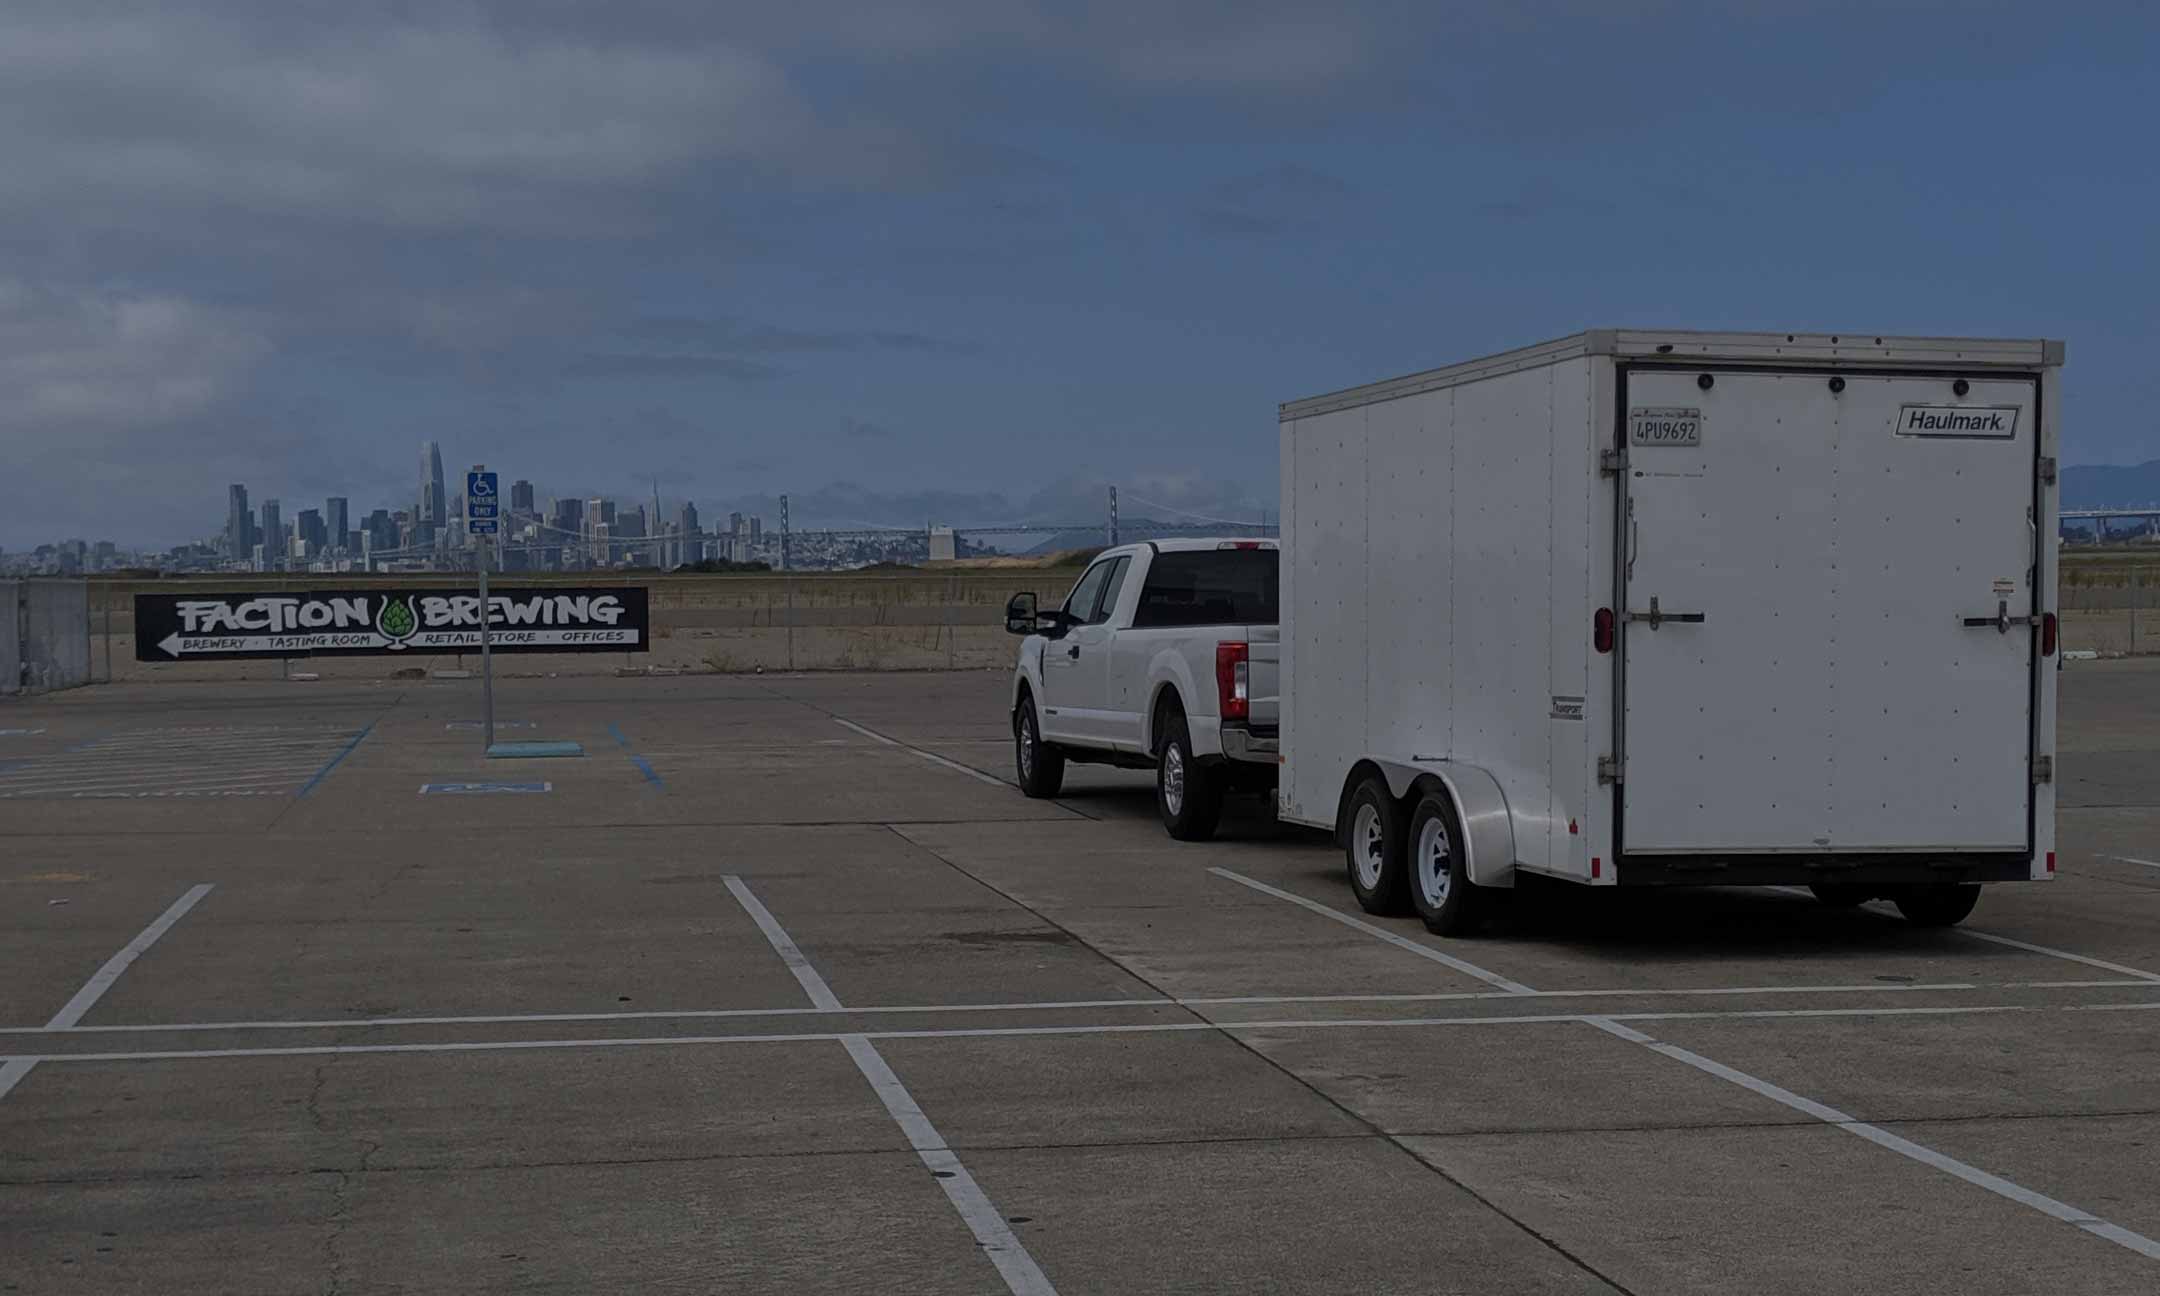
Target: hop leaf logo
397,620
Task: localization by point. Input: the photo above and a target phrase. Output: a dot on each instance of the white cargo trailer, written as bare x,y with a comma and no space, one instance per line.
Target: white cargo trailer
1651,608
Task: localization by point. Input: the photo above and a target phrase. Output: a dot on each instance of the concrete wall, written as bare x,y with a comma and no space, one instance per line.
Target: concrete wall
902,620
45,626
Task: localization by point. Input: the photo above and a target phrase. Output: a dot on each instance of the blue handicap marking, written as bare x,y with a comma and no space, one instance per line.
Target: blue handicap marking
474,789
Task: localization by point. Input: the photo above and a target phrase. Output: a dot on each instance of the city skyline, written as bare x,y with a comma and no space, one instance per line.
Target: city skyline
753,253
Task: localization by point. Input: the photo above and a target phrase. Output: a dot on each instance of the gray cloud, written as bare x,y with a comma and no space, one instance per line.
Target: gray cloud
1275,200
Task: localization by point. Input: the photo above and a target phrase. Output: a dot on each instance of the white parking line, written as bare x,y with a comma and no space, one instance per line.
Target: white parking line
821,995
13,1070
2139,973
1050,1005
1399,942
1023,1032
932,757
1611,1024
2132,859
992,1233
2027,946
1875,1134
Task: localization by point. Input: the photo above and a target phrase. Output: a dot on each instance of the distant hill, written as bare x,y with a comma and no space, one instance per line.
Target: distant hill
2094,486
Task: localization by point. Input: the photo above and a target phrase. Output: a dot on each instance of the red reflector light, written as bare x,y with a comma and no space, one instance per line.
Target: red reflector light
1601,630
2047,634
1597,868
1240,544
1572,829
1233,681
2051,861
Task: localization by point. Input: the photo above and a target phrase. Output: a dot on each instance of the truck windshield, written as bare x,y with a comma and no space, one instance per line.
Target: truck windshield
1211,587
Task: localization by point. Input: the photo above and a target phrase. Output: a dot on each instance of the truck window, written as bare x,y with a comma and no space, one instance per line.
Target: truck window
1080,604
1211,587
1111,587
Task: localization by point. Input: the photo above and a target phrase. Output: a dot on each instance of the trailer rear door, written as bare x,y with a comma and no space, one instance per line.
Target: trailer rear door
1804,556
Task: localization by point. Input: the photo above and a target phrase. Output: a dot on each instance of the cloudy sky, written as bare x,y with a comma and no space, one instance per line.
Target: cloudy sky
907,257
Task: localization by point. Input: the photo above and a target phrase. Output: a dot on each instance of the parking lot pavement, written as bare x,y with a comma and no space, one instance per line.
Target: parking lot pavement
781,986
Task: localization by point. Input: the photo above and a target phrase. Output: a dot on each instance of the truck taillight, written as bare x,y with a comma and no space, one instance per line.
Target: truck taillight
1233,680
2047,634
1601,630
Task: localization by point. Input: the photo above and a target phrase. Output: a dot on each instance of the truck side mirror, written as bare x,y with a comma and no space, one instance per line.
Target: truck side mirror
1021,617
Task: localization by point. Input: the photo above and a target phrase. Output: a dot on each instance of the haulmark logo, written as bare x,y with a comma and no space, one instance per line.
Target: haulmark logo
1971,422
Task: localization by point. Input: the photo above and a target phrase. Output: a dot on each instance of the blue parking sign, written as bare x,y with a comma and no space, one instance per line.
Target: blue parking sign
481,503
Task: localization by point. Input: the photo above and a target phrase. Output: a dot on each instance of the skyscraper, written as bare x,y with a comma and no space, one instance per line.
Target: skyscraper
521,498
239,528
337,520
309,530
272,538
434,504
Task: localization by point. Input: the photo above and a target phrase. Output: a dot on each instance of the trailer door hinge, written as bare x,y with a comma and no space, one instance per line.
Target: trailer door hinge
2043,769
1610,462
2047,469
1608,769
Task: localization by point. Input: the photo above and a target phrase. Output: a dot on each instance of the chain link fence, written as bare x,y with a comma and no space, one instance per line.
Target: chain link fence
2110,608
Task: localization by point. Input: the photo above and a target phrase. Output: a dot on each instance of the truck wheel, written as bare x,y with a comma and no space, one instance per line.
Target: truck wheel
1940,905
1375,846
1841,895
1040,766
1440,887
1188,794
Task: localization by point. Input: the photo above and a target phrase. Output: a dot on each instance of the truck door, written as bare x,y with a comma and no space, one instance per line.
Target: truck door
1076,667
1828,623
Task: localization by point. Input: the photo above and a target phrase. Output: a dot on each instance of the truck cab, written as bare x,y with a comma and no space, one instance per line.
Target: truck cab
1162,656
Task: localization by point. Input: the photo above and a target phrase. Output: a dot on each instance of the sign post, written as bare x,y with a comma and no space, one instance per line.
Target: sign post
481,520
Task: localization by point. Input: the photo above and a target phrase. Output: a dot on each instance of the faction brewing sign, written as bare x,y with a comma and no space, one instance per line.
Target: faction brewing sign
355,623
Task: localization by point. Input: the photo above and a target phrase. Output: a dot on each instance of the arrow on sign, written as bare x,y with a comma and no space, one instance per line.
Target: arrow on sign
175,646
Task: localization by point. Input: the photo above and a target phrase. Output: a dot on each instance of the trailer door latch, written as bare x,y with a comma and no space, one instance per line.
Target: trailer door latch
1610,462
2043,769
1608,769
2000,623
1657,616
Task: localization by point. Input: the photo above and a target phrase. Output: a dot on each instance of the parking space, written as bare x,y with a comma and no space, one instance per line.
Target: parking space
781,987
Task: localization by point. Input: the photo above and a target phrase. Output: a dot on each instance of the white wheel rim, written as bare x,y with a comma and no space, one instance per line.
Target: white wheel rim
1435,863
1368,846
1027,746
1173,779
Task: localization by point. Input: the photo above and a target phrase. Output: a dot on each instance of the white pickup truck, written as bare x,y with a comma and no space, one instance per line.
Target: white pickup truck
1164,656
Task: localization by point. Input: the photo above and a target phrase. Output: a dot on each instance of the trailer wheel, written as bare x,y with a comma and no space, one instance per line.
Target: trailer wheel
1187,793
1376,847
1841,895
1940,905
1040,766
1440,887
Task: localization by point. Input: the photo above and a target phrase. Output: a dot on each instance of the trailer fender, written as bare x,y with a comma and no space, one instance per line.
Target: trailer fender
1480,805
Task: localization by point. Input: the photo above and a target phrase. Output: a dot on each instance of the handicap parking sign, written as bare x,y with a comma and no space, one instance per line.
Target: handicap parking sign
480,502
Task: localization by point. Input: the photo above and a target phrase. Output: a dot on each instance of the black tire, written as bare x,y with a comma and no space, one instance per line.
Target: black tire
1040,767
1436,871
1188,794
1940,905
1375,835
1841,895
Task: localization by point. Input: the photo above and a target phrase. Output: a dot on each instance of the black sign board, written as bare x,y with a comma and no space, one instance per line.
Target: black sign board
360,623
